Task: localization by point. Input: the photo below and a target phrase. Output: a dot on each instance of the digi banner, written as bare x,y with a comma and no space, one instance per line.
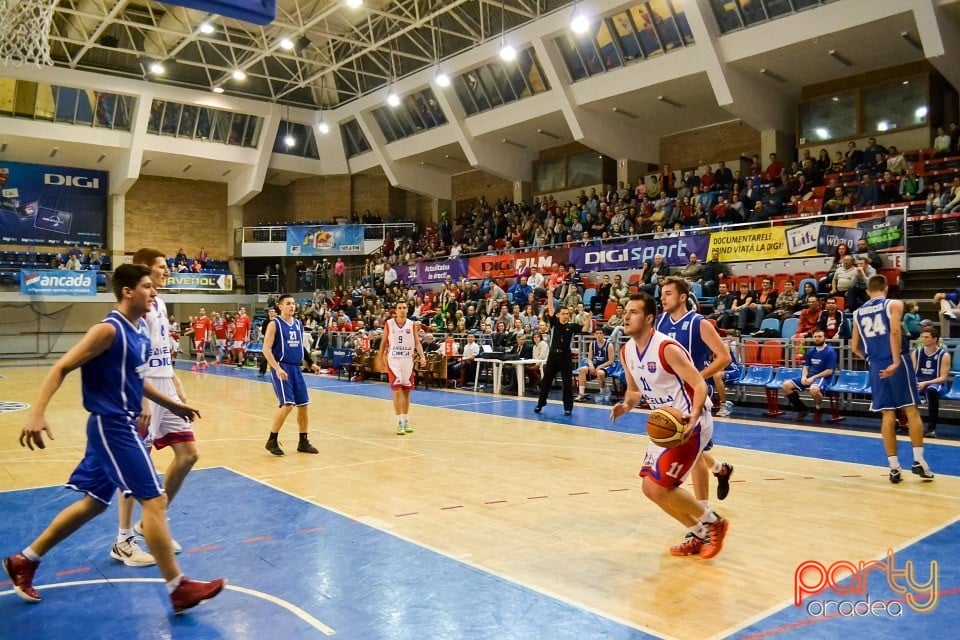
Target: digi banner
199,281
49,282
507,265
325,240
46,205
819,238
429,272
631,255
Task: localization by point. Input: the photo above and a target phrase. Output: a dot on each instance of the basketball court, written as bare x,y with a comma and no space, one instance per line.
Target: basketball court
488,522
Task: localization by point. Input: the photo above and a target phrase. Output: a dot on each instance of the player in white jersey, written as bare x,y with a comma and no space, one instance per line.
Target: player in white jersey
661,372
162,427
401,339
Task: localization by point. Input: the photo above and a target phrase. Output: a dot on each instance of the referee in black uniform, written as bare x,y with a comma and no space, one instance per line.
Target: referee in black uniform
560,357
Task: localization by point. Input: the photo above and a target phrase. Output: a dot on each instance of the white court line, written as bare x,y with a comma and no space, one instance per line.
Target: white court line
726,633
292,608
462,560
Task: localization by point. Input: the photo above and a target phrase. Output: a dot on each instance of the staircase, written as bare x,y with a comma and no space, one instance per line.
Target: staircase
922,284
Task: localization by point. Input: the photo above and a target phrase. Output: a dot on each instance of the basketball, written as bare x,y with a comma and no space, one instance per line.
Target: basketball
666,427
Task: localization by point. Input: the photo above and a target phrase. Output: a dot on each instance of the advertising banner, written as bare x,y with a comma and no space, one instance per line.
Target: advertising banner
434,271
507,265
49,282
631,255
819,238
200,281
46,205
325,240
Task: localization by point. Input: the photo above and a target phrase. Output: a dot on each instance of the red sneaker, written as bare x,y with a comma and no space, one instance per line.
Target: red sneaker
190,593
716,532
690,546
21,571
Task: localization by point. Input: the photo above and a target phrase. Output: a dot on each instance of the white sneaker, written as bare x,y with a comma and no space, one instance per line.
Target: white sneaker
723,412
138,529
129,553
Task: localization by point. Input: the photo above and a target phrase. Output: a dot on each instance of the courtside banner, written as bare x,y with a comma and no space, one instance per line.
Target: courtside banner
508,265
631,255
434,271
818,238
49,282
200,281
325,240
47,205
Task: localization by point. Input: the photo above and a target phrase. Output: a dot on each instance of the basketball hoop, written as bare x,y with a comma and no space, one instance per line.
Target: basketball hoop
25,31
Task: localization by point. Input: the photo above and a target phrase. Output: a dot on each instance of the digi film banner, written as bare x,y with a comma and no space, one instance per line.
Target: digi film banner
46,205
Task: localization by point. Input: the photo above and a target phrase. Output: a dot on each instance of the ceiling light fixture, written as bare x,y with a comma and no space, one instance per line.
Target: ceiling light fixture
54,152
624,113
226,173
102,157
217,89
354,4
672,103
206,27
156,68
909,39
323,127
286,44
442,79
579,23
186,168
239,74
773,75
507,52
392,98
544,132
513,143
839,57
289,140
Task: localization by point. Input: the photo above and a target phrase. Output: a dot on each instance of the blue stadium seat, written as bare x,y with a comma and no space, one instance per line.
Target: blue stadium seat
756,375
789,327
773,387
588,297
954,392
854,382
955,361
771,323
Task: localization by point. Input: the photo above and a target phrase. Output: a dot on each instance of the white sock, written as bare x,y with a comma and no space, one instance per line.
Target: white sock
717,467
708,517
893,462
31,555
173,584
918,454
123,534
705,504
698,530
583,391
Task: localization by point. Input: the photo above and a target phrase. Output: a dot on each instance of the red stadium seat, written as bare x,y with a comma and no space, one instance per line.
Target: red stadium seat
780,278
610,310
771,352
751,352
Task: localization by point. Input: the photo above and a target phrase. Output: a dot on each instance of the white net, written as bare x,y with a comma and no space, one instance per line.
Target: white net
25,31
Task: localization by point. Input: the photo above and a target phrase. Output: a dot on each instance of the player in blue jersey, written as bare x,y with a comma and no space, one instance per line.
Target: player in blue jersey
112,358
931,362
598,363
710,356
877,329
283,348
819,364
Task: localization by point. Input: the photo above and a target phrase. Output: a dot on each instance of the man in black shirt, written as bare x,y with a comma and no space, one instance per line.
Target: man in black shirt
560,358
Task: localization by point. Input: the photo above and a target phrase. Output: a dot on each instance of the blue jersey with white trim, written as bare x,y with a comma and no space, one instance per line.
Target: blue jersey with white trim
873,323
288,341
820,360
686,331
928,364
103,393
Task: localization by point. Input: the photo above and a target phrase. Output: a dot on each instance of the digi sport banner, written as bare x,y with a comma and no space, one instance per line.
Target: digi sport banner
46,205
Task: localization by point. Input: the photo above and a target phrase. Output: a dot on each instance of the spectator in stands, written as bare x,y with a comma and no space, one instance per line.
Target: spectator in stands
774,171
764,303
948,310
818,367
723,177
868,194
600,299
873,156
823,161
889,188
389,275
667,182
340,272
911,319
196,267
759,213
692,271
839,163
941,143
740,307
845,275
833,322
614,325
721,307
73,263
787,302
655,273
809,318
536,282
853,158
838,203
94,256
202,257
181,255
937,198
826,283
620,292
954,131
865,250
932,365
912,186
896,162
953,205
495,296
711,273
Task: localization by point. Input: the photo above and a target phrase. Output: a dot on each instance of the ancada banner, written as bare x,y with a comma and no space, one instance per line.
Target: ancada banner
46,205
631,255
818,238
50,282
508,265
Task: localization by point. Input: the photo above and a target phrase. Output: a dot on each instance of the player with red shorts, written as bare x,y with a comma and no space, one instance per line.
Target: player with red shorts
202,329
241,335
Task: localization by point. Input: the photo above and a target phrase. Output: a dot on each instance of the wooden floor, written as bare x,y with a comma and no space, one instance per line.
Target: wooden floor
548,505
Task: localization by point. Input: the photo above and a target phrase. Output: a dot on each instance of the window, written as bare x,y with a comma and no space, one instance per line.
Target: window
549,176
354,139
585,169
188,121
895,106
498,83
417,112
829,118
304,142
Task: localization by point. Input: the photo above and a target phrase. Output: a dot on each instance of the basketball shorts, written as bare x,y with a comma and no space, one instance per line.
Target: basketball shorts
400,372
818,383
938,388
166,428
116,458
669,467
293,390
897,391
238,344
221,343
198,345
